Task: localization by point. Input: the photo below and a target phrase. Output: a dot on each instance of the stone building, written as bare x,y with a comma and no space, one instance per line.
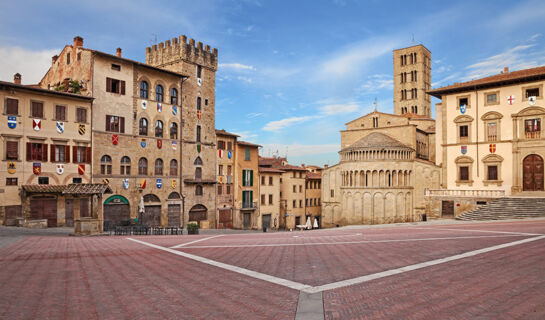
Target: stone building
292,191
145,125
226,160
489,140
45,147
412,78
313,195
198,136
387,161
270,203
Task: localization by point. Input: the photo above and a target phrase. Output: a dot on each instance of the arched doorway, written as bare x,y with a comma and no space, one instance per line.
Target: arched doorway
116,212
152,211
197,213
174,210
532,173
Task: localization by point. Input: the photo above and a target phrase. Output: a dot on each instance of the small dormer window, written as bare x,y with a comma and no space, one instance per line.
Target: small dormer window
116,67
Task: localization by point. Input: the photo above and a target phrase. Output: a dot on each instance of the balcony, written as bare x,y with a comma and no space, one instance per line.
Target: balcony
247,206
454,193
533,135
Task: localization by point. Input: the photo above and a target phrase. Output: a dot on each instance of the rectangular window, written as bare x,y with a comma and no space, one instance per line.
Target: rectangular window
492,128
492,172
81,115
12,107
247,154
294,204
247,178
491,98
464,130
263,199
300,188
294,189
270,181
464,173
12,150
220,170
116,67
115,124
332,193
36,151
270,199
81,154
228,189
11,181
60,153
229,168
220,145
229,145
60,113
463,102
220,189
247,199
534,92
532,125
77,180
37,109
43,180
199,72
68,58
262,180
198,139
115,86
300,203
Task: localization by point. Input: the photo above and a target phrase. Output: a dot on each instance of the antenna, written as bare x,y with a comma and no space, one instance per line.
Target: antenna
154,39
412,39
375,104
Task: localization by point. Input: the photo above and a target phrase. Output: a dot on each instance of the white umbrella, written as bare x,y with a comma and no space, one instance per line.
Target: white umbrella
316,223
308,225
141,208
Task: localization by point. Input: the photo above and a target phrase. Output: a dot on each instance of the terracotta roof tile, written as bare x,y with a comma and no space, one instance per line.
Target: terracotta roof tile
245,143
376,140
270,170
222,132
495,80
314,175
43,188
86,188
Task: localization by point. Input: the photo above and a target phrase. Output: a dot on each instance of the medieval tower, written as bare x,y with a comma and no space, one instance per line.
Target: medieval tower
198,139
412,78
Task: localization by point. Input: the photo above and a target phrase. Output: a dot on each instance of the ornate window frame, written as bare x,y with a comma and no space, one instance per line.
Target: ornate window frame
464,161
493,160
460,121
468,96
485,98
489,117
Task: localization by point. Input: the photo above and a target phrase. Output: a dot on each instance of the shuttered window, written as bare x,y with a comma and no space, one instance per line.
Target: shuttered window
60,153
60,113
12,107
36,151
247,178
12,150
37,109
492,172
464,173
115,124
115,86
81,154
81,115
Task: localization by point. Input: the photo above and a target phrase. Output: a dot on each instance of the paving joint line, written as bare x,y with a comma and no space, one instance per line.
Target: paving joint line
488,231
192,242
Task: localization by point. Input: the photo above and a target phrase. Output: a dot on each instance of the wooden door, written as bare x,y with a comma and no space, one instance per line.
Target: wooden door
69,213
447,209
116,214
246,220
532,174
152,216
12,213
44,209
174,215
266,222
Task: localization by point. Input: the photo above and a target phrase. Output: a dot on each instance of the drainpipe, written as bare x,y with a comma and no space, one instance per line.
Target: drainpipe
181,146
477,126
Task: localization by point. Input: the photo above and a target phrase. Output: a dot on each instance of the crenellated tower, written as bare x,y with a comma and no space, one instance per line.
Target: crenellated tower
198,153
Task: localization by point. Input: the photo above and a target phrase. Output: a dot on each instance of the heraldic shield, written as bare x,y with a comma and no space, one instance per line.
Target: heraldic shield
60,168
81,129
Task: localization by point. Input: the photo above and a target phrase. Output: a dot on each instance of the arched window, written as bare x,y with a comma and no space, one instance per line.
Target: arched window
198,173
143,127
159,167
143,166
173,130
173,96
198,103
198,138
125,165
173,167
106,164
144,91
198,190
159,93
198,161
159,128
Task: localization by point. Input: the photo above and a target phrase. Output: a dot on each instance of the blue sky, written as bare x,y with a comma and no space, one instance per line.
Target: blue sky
291,73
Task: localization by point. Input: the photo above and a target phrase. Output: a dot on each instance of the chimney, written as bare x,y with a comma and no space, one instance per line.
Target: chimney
506,70
54,59
118,52
78,41
325,166
17,78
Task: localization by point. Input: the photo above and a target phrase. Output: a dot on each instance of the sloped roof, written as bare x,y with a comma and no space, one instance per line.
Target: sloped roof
376,112
270,170
43,188
504,78
314,175
44,91
377,140
86,188
222,132
249,144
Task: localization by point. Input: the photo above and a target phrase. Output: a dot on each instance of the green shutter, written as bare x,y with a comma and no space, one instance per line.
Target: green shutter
251,198
251,178
243,198
243,178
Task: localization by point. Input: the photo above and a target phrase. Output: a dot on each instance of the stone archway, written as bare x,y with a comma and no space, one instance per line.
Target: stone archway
532,173
116,212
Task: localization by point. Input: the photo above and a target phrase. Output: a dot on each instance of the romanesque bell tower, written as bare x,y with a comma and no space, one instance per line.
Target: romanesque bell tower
198,138
412,78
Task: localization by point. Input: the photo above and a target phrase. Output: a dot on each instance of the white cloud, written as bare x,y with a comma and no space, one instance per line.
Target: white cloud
32,65
281,124
340,109
375,83
236,66
519,14
246,135
298,150
245,79
351,59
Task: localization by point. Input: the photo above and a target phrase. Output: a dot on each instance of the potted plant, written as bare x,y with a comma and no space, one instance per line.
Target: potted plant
192,228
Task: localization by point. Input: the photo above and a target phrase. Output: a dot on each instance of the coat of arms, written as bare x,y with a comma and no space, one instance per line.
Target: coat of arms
174,110
229,154
60,127
511,99
463,108
12,167
159,143
159,183
532,100
174,145
81,129
464,149
59,168
12,122
37,168
173,184
144,104
492,148
143,184
36,124
159,107
143,143
115,139
220,153
125,184
81,169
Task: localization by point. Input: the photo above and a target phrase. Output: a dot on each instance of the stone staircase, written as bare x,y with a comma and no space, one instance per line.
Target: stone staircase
507,208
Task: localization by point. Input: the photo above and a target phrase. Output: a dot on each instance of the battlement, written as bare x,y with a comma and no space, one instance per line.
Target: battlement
178,49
